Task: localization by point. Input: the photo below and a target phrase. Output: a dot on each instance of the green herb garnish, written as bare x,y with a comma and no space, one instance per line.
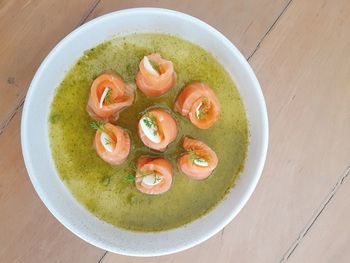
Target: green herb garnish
190,150
98,125
108,99
194,157
130,178
147,122
156,179
204,109
151,122
108,141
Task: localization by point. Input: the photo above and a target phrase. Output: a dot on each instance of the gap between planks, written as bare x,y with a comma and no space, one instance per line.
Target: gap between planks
269,30
104,254
7,121
248,59
318,212
12,115
88,13
329,197
313,219
257,48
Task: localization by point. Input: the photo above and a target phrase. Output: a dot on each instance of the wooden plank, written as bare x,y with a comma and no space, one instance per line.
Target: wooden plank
328,239
304,67
244,22
26,45
29,30
28,231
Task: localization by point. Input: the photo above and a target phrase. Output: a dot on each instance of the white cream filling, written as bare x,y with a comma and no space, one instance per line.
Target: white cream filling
148,66
151,132
152,179
104,94
106,142
201,162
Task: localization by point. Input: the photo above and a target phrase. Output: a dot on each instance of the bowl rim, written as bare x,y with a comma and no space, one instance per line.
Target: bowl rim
249,189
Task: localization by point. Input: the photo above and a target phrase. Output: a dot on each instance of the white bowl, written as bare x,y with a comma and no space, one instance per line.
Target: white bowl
35,139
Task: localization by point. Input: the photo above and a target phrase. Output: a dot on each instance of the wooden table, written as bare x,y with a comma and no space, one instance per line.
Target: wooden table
300,51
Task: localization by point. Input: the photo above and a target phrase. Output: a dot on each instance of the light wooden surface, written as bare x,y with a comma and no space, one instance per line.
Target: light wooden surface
29,30
300,51
330,232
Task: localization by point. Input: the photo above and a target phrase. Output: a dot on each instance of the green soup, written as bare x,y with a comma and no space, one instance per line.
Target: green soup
102,188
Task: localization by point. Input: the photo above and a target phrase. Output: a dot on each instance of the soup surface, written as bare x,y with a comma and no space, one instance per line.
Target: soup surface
102,188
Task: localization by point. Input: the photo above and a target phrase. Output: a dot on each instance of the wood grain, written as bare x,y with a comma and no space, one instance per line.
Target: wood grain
29,30
303,66
244,22
29,233
328,239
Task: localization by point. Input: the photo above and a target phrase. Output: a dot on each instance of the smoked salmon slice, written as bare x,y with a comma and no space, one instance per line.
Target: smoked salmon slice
156,75
198,102
157,129
199,160
108,96
154,175
112,143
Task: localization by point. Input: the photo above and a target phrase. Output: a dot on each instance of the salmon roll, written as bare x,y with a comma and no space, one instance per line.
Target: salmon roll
108,96
112,143
198,102
157,129
199,160
154,175
156,75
